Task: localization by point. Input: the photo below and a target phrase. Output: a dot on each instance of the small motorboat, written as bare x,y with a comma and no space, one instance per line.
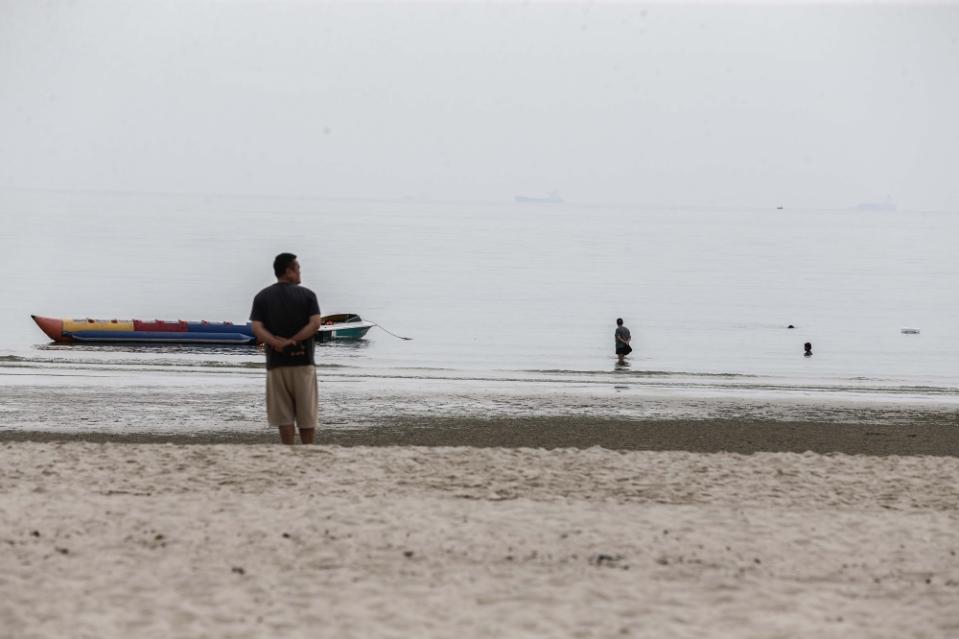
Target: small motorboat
339,326
343,326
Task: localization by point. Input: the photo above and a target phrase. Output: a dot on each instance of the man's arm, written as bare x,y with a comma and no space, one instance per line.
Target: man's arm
307,331
268,338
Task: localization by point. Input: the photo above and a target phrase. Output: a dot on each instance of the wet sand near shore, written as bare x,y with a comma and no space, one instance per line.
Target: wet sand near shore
356,415
928,435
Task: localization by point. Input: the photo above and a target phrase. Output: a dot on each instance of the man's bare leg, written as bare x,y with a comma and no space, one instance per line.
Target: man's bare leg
307,435
287,434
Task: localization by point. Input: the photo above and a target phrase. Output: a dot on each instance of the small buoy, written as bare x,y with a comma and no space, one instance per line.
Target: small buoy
909,331
790,326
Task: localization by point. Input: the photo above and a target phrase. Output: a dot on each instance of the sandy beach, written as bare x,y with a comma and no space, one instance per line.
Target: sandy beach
160,540
477,510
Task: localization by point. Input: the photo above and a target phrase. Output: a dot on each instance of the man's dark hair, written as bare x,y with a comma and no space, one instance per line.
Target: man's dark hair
282,262
619,321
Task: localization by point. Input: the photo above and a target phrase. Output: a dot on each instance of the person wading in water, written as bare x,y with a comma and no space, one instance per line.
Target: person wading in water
622,338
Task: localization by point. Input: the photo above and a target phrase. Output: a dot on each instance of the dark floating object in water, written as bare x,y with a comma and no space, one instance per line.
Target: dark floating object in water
909,331
790,326
808,347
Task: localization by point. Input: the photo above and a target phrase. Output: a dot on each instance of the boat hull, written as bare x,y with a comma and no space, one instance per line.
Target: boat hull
67,331
347,330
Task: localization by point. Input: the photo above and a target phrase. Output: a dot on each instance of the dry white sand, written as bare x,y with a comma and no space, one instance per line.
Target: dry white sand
151,540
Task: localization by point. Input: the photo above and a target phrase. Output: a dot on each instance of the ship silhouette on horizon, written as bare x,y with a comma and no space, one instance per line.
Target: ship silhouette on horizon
552,198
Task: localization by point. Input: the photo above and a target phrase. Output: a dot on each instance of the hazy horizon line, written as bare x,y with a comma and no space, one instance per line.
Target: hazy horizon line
425,199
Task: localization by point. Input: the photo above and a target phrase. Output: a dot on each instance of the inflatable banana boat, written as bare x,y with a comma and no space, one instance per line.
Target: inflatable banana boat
340,326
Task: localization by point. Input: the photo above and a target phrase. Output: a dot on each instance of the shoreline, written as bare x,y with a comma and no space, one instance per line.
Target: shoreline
377,413
927,434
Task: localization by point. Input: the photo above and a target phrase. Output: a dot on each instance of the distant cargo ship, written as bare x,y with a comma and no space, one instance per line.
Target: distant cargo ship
886,205
552,198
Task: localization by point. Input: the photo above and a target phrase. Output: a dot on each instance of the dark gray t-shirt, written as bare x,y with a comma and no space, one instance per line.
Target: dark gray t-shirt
621,332
284,309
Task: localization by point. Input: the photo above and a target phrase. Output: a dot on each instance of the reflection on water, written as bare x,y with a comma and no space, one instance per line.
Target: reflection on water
201,350
204,350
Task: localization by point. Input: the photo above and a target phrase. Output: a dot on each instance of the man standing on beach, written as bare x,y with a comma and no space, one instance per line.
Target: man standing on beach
285,318
622,338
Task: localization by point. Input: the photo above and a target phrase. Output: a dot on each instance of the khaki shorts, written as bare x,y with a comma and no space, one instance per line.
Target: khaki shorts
291,396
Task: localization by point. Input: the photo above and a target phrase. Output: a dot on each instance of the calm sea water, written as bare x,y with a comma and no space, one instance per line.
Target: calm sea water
492,287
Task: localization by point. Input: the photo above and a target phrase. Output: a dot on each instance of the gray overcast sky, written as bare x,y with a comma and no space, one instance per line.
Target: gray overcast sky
803,105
